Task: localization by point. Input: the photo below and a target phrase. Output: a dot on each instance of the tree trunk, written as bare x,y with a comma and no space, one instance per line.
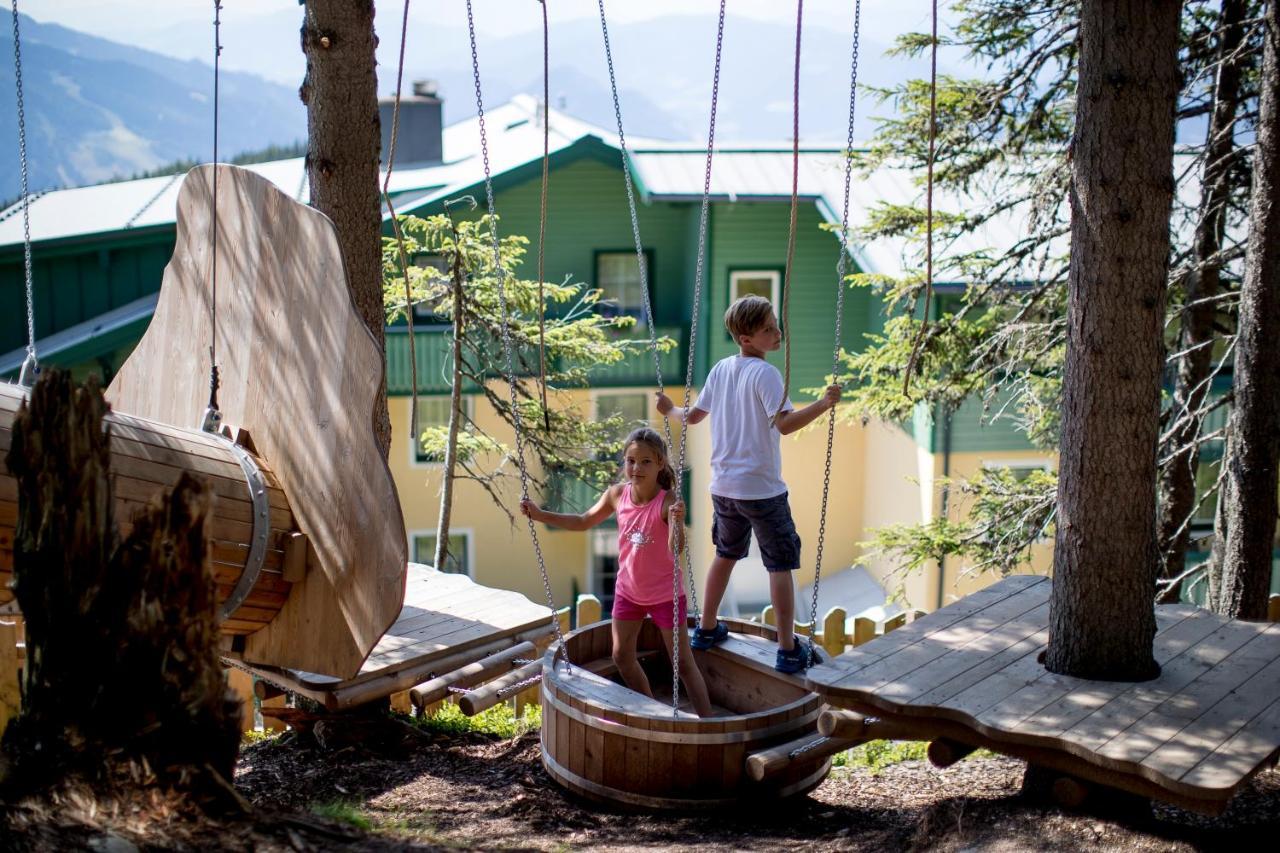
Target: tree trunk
123,679
343,146
1102,621
1191,390
455,416
1254,425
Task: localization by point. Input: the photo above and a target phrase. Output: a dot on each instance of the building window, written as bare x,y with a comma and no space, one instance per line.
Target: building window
618,279
604,566
434,412
766,283
458,561
633,407
425,312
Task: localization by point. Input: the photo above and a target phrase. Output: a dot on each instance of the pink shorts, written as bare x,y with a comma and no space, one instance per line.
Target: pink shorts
625,610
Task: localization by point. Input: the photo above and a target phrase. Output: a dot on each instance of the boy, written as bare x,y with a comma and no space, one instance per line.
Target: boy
749,413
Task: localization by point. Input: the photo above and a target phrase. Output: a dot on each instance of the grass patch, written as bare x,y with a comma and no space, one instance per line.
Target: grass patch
343,811
876,755
500,720
253,737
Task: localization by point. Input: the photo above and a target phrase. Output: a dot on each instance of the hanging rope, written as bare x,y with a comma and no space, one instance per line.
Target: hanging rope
542,219
795,207
928,249
841,269
399,234
30,365
212,416
648,308
501,274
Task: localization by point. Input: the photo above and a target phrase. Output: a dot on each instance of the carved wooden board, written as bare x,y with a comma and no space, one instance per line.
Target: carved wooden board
1198,731
300,372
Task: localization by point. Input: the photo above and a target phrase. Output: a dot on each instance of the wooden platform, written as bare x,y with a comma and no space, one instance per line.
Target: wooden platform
969,672
447,621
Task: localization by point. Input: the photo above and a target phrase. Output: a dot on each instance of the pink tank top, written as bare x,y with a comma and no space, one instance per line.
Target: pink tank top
645,562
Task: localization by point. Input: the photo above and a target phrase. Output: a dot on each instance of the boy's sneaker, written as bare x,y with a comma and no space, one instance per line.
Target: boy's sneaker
705,639
798,658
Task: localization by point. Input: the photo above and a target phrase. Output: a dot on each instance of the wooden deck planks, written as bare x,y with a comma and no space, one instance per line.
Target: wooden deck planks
1205,725
925,665
860,657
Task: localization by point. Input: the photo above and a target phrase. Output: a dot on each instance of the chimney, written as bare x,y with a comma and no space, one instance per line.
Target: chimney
419,139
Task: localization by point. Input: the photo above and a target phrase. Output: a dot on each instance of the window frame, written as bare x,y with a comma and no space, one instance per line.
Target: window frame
467,532
415,459
641,321
777,273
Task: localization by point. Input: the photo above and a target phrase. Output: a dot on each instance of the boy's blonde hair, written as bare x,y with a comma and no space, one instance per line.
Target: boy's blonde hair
746,315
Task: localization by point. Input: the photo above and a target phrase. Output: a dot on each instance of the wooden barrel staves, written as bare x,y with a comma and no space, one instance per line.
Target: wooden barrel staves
610,744
148,457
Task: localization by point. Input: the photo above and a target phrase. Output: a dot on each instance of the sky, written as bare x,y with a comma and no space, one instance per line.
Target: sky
182,28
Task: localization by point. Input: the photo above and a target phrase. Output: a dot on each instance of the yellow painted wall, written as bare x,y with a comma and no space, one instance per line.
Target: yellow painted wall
879,477
503,555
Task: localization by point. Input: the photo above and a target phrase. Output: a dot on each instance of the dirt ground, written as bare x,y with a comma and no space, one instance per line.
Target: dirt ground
478,792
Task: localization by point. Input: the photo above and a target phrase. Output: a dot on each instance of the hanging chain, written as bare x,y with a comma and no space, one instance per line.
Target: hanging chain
542,218
399,234
795,208
653,336
30,366
841,269
212,419
506,335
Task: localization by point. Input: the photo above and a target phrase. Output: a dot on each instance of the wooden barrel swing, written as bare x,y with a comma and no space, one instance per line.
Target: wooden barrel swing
607,743
308,539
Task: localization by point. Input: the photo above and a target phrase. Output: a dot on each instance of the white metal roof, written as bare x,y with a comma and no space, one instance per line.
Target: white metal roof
665,171
514,135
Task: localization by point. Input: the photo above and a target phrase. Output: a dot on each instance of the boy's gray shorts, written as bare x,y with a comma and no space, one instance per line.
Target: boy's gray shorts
770,519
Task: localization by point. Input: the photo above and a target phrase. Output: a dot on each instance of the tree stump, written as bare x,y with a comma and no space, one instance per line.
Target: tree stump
123,680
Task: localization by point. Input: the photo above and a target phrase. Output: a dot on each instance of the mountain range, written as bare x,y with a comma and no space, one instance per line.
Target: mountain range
98,110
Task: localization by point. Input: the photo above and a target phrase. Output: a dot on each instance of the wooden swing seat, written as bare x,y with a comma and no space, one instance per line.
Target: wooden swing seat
970,674
609,744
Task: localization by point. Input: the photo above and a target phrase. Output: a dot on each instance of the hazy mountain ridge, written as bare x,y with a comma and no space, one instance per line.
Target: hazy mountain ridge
96,110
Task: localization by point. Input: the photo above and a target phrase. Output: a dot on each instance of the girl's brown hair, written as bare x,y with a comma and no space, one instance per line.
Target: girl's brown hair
649,438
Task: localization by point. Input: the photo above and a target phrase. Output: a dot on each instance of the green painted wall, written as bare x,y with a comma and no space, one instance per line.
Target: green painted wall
754,235
587,213
77,282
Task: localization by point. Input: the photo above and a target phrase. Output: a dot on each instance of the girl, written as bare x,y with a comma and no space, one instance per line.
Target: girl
650,530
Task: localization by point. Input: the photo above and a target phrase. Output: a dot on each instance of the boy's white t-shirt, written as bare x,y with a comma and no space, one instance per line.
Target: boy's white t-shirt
742,394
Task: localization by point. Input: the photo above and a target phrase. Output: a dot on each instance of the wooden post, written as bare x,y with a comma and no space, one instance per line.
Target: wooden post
767,616
9,701
270,723
839,723
833,631
589,610
808,749
944,752
895,623
864,630
240,683
497,664
400,702
562,616
1273,608
488,695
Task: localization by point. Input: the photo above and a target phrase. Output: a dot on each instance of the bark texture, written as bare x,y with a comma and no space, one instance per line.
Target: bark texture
1191,387
1243,563
1102,621
123,679
343,145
